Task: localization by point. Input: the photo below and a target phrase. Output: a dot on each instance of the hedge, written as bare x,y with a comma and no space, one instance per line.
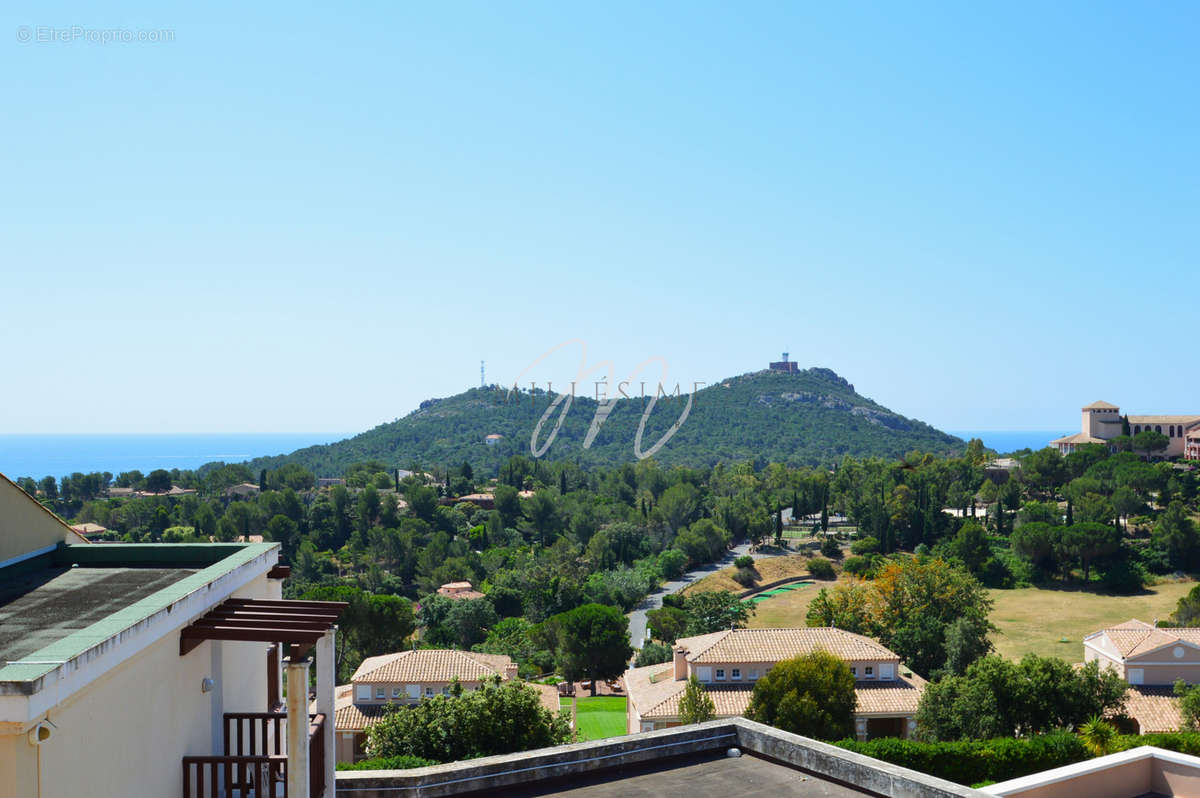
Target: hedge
976,761
388,763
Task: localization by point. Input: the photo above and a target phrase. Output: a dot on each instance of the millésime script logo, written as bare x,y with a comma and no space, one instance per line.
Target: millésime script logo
606,398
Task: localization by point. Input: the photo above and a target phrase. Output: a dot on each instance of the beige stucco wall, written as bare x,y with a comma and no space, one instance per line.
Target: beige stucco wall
26,526
126,733
1172,778
1120,781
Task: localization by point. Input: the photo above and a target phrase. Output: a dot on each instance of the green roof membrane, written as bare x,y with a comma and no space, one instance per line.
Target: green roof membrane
83,595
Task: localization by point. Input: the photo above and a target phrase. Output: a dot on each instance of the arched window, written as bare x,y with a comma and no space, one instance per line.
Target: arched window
1158,428
1171,431
1137,429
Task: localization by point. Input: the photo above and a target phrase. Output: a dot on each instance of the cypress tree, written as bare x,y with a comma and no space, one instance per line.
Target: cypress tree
262,480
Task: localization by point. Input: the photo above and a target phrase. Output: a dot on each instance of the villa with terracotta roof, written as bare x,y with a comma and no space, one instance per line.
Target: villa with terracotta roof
1101,422
406,678
1151,660
728,663
459,590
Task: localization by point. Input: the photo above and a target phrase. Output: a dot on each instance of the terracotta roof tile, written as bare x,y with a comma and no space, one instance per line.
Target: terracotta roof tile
1134,638
1156,709
773,645
885,698
430,665
890,698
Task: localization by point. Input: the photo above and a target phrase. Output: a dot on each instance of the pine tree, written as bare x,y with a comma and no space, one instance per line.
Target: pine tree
695,705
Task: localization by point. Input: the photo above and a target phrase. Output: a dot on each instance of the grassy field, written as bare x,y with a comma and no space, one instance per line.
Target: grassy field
1035,620
599,717
786,609
769,569
1029,621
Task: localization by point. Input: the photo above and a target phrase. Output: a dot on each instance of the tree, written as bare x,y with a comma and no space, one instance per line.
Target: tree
695,705
999,698
1187,610
847,605
1176,533
498,718
670,623
971,546
928,594
812,695
158,481
1150,442
1189,706
653,654
589,642
714,611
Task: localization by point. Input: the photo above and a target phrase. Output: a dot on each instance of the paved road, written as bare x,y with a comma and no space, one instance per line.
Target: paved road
637,618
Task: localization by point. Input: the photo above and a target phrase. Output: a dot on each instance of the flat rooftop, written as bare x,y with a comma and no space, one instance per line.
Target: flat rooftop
709,775
59,605
42,606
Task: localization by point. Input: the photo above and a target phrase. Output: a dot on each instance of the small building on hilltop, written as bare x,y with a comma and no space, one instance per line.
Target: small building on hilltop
459,590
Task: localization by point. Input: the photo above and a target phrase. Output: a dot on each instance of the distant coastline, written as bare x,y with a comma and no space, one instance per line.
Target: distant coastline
58,455
1005,441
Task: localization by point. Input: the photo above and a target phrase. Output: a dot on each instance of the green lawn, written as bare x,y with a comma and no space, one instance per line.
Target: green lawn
1035,620
599,717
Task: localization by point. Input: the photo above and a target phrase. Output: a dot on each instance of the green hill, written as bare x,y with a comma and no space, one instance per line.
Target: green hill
809,417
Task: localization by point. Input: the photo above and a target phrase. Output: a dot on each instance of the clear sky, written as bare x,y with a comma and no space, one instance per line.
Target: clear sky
299,218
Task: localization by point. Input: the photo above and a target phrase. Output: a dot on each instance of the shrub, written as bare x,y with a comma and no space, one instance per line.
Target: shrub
975,761
745,576
859,566
745,561
867,545
830,548
820,568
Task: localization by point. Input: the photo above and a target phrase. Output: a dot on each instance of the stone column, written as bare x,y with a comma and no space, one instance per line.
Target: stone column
325,705
297,727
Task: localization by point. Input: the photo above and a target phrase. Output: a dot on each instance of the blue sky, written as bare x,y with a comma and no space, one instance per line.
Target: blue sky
299,218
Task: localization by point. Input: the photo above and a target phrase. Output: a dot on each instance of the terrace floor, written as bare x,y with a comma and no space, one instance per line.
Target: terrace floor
711,775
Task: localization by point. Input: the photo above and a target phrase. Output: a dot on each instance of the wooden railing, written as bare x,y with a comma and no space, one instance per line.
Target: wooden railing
316,756
235,776
255,763
255,733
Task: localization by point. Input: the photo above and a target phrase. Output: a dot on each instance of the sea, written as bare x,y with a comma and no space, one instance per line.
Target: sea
38,456
1005,441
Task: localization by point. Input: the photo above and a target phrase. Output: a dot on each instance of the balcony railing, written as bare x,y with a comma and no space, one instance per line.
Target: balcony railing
254,764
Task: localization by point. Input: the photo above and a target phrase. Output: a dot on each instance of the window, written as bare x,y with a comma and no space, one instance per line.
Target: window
704,674
429,691
887,671
868,672
364,692
753,675
414,691
381,692
396,692
736,674
1137,676
854,671
720,674
445,691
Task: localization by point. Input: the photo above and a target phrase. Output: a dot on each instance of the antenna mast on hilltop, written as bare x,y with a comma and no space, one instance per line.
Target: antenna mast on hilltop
481,383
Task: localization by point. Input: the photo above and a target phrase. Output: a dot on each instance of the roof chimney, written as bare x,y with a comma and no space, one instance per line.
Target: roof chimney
681,669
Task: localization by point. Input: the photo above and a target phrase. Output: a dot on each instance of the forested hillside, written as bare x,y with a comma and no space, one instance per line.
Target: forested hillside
807,418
